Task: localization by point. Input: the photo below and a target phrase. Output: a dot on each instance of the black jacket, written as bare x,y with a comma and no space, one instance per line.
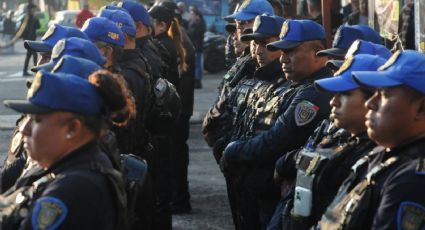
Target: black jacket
133,137
150,50
172,60
187,80
196,30
84,198
32,25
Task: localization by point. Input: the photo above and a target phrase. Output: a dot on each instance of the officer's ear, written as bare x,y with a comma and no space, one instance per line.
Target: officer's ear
75,128
421,109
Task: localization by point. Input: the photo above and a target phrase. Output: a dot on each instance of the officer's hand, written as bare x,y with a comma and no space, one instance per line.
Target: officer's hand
230,153
223,166
210,138
219,146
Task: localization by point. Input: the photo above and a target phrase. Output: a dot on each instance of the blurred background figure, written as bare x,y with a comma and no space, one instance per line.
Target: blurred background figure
196,30
9,29
359,16
183,12
83,16
27,29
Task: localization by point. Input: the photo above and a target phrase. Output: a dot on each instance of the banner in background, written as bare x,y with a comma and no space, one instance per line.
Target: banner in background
387,17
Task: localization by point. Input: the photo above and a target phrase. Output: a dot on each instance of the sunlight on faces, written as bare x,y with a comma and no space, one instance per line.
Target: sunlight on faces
391,119
263,55
348,111
45,136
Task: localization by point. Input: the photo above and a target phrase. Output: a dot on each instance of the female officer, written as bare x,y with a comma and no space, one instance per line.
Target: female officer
77,187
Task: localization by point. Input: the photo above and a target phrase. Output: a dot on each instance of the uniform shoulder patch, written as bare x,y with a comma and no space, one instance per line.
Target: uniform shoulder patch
48,213
410,216
305,112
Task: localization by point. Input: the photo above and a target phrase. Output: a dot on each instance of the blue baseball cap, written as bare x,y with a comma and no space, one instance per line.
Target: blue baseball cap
264,27
103,29
137,11
345,36
362,47
55,33
369,34
249,9
342,80
77,66
52,92
403,68
122,19
76,47
295,32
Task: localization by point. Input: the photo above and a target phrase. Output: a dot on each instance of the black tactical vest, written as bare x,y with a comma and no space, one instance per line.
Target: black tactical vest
320,172
349,210
15,204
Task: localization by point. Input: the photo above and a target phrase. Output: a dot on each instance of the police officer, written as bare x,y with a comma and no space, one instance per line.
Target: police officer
385,191
17,159
327,158
267,79
300,112
361,47
144,40
133,138
162,21
55,33
44,47
243,67
180,157
77,186
76,47
345,36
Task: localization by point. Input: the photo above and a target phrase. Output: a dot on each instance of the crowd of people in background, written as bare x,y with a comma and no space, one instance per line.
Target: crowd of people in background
306,136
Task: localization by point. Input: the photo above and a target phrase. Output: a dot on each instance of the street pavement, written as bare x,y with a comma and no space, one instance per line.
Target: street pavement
207,185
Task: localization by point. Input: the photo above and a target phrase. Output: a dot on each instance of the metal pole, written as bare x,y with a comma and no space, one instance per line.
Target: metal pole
326,20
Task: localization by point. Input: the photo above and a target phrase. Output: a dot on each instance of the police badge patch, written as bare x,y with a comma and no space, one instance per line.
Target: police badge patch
245,4
337,37
58,48
411,216
347,63
49,32
284,30
36,83
390,61
305,112
58,65
353,49
257,23
48,213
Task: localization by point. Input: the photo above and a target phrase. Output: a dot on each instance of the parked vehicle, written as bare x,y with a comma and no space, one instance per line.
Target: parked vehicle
44,19
65,18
